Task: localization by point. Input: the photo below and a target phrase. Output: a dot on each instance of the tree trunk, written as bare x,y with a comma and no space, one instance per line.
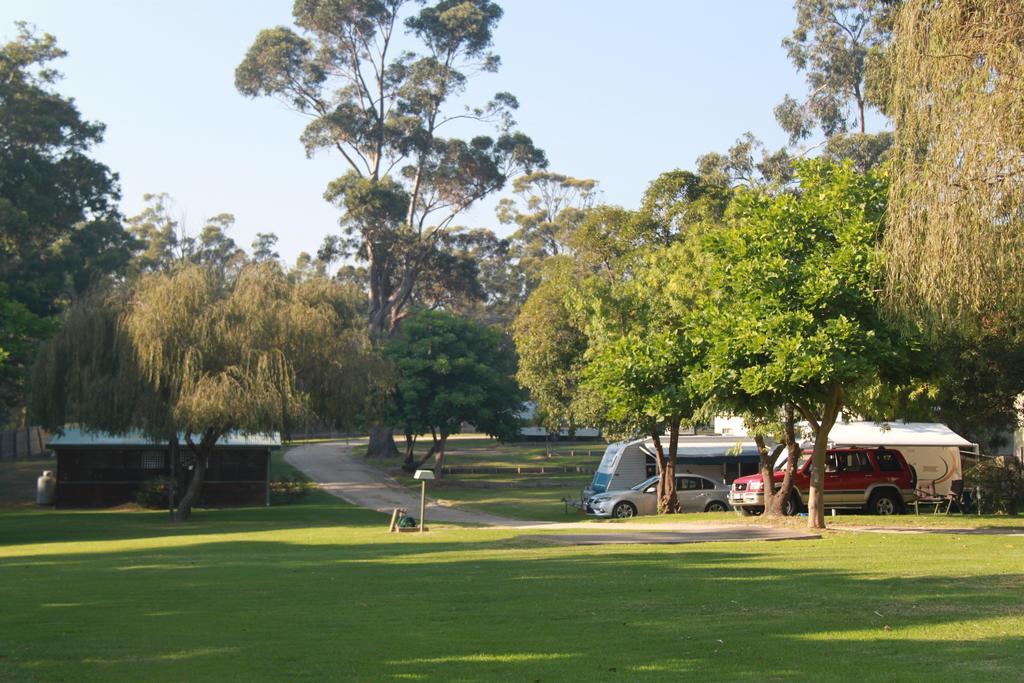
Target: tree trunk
792,455
822,428
175,466
410,447
413,466
382,443
659,461
195,483
670,501
764,466
439,457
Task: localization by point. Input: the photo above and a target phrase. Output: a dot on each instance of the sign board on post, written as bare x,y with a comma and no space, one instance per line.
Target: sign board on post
424,476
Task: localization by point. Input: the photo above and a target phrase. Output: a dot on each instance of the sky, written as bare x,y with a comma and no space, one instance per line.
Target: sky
615,92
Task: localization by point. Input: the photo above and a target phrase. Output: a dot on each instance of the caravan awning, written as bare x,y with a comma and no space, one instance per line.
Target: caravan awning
898,433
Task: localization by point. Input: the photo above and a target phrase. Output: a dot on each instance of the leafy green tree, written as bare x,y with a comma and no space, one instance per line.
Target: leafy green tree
642,378
748,163
386,113
551,341
452,370
954,246
796,311
832,42
60,232
194,353
547,210
263,247
214,247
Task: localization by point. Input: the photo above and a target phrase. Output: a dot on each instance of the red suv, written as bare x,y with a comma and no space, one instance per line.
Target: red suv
877,480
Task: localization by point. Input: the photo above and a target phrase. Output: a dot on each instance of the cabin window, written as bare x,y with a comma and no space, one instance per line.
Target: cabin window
690,484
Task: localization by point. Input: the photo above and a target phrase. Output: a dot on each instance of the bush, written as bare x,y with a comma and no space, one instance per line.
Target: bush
153,493
289,489
1001,481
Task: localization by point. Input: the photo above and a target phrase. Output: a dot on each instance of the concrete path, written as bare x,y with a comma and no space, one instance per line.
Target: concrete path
690,533
339,473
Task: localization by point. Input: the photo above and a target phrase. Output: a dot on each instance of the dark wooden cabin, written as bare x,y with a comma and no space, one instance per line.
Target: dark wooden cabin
95,469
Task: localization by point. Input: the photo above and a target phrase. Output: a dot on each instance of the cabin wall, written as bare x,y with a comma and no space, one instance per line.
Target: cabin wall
105,477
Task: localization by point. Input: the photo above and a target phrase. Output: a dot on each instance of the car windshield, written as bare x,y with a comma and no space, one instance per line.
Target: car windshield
644,484
780,464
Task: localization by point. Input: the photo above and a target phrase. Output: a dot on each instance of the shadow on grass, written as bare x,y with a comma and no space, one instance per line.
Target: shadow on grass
46,525
341,604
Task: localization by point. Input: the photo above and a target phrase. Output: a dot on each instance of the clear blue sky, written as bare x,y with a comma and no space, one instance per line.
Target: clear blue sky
619,92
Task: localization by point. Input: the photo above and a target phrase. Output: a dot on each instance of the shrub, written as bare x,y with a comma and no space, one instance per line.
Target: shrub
153,493
1001,481
289,489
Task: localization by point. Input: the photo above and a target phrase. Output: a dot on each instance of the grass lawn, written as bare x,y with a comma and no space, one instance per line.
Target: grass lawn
18,479
467,450
320,591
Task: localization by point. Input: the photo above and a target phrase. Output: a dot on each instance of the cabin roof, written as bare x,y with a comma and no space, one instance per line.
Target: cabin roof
73,437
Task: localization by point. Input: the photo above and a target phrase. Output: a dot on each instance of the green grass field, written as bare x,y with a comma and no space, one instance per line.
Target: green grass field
320,591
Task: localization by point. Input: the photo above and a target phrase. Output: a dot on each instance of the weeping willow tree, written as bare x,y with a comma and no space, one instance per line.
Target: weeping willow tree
955,241
192,353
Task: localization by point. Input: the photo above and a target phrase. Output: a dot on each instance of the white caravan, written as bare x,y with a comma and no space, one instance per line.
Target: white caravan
626,464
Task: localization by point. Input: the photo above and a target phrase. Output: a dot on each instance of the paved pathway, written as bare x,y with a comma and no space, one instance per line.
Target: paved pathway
338,472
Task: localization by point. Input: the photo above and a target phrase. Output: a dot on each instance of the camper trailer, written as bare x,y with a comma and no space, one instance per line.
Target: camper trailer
626,464
932,449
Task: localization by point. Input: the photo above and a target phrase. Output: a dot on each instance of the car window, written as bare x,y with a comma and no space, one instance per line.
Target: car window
690,484
887,461
858,461
707,484
832,463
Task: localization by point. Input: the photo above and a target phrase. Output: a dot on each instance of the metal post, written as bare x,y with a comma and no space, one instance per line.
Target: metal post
423,501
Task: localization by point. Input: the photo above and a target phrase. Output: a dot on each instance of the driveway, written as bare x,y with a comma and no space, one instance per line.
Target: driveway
335,470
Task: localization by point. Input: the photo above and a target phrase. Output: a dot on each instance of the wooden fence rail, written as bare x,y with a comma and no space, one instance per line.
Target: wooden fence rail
526,469
24,442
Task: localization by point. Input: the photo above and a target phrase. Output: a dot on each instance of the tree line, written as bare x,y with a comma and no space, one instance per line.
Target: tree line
871,272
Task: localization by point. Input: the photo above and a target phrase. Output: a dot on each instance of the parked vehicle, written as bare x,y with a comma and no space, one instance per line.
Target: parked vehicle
695,494
626,464
931,449
877,480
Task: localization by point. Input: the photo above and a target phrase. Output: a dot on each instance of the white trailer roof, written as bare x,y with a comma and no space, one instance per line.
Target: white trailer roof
895,433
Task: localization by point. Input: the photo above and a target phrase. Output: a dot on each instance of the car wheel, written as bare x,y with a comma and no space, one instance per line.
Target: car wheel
792,505
716,506
624,510
883,503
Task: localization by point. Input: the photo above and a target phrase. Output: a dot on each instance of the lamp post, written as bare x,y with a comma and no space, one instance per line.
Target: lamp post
424,476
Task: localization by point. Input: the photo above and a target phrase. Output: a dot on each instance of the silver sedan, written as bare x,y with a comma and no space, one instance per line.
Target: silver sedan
694,492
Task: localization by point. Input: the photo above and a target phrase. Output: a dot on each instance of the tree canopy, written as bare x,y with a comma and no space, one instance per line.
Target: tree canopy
795,315
385,112
59,228
955,245
194,353
451,370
